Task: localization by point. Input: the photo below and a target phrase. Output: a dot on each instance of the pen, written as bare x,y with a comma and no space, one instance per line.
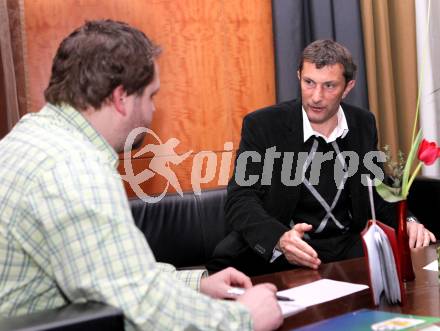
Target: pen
240,291
283,298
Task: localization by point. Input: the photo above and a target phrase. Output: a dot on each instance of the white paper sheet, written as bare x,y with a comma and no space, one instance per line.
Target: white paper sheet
321,291
289,308
433,266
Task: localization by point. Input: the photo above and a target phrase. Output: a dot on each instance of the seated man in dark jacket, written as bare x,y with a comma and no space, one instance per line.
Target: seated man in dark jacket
298,195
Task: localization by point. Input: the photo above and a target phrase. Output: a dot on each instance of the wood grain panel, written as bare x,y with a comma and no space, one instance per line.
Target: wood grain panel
251,67
217,62
193,98
3,119
16,28
193,91
192,173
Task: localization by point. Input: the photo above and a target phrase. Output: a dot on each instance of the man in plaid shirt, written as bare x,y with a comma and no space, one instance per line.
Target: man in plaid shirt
66,231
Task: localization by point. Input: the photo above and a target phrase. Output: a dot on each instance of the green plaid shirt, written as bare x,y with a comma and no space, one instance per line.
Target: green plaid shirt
67,233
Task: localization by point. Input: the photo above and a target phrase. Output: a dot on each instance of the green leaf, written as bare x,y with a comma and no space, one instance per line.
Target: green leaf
388,193
409,162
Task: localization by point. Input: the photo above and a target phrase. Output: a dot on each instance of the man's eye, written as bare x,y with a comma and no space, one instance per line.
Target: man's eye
329,86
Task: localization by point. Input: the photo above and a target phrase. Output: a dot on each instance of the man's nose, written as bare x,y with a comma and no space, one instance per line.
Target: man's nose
317,94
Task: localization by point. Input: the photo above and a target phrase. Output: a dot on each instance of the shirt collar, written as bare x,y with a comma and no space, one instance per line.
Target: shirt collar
77,120
340,131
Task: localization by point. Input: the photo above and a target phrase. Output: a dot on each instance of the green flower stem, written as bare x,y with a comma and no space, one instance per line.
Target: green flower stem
409,162
413,176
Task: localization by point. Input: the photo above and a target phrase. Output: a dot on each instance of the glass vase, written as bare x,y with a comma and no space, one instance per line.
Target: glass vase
406,266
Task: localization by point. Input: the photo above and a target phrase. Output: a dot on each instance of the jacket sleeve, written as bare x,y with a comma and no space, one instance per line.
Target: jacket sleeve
94,252
244,209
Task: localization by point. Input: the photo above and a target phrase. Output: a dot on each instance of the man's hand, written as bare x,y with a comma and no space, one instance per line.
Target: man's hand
263,306
418,235
217,285
296,250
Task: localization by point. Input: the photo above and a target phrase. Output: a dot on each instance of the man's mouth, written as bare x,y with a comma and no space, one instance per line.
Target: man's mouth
316,109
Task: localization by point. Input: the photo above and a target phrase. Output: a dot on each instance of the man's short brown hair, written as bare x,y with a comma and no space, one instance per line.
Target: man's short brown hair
96,58
329,52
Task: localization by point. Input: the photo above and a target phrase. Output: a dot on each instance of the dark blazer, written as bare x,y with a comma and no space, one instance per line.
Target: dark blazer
259,214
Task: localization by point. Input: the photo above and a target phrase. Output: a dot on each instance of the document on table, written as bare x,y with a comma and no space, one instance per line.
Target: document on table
433,266
320,291
289,308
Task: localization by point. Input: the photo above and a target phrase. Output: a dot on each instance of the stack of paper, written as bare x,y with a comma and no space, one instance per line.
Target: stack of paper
314,293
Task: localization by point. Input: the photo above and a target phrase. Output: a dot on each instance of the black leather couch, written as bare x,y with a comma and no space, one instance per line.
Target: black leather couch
184,232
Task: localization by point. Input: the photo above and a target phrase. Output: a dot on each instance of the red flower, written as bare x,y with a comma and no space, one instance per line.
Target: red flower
428,152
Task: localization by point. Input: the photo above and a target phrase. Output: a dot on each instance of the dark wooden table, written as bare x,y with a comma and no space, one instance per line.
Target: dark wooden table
423,294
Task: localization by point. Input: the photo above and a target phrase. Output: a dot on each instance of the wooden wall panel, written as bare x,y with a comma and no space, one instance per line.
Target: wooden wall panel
251,66
16,24
190,176
3,118
217,63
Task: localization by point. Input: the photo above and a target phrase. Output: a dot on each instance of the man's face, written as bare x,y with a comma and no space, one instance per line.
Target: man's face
322,91
142,107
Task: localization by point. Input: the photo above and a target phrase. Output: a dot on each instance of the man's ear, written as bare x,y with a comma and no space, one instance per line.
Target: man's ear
119,97
348,88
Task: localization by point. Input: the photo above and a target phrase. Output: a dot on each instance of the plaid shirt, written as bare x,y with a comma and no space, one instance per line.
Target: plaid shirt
67,233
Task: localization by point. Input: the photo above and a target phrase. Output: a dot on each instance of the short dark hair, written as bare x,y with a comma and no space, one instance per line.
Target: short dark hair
96,58
329,52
